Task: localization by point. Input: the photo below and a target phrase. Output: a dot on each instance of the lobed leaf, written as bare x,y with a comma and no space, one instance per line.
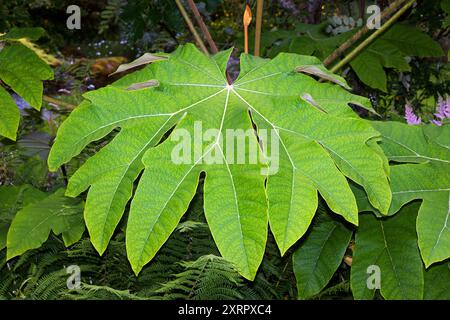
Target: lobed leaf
319,255
389,244
429,181
321,144
32,225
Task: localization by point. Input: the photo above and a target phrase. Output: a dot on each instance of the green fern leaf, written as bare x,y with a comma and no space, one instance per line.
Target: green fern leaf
321,142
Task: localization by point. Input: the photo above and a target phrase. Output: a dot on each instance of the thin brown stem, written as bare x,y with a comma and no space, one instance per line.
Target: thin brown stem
203,26
246,20
259,16
191,27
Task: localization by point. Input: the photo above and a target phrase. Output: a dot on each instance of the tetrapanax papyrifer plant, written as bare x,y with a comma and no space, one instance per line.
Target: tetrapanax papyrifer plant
322,143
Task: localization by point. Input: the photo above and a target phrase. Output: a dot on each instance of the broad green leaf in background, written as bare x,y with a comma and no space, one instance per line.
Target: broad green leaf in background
12,199
414,144
22,71
429,180
431,183
20,33
10,115
445,5
4,226
369,70
320,254
322,142
307,39
438,135
32,225
391,245
437,282
388,51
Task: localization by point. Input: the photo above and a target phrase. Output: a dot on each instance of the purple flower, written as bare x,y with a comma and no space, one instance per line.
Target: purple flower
289,5
443,108
233,68
436,122
21,104
47,115
410,117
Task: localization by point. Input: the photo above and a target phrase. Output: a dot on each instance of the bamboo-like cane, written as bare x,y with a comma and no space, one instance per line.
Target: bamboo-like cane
372,37
352,40
259,15
247,19
203,26
191,27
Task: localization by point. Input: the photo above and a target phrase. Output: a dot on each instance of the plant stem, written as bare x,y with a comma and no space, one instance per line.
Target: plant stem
372,37
203,26
191,27
259,15
347,44
246,20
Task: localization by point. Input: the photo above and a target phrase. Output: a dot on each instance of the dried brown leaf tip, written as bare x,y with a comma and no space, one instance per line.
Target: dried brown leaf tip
316,71
143,85
144,59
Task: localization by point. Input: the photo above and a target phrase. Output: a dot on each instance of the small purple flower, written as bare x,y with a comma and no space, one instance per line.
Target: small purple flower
233,67
21,104
410,117
289,5
443,108
436,122
47,115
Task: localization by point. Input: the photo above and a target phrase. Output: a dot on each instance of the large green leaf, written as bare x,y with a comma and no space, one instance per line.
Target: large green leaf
319,255
391,245
32,225
321,142
12,199
23,71
414,144
390,51
10,115
437,282
370,70
412,42
429,181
